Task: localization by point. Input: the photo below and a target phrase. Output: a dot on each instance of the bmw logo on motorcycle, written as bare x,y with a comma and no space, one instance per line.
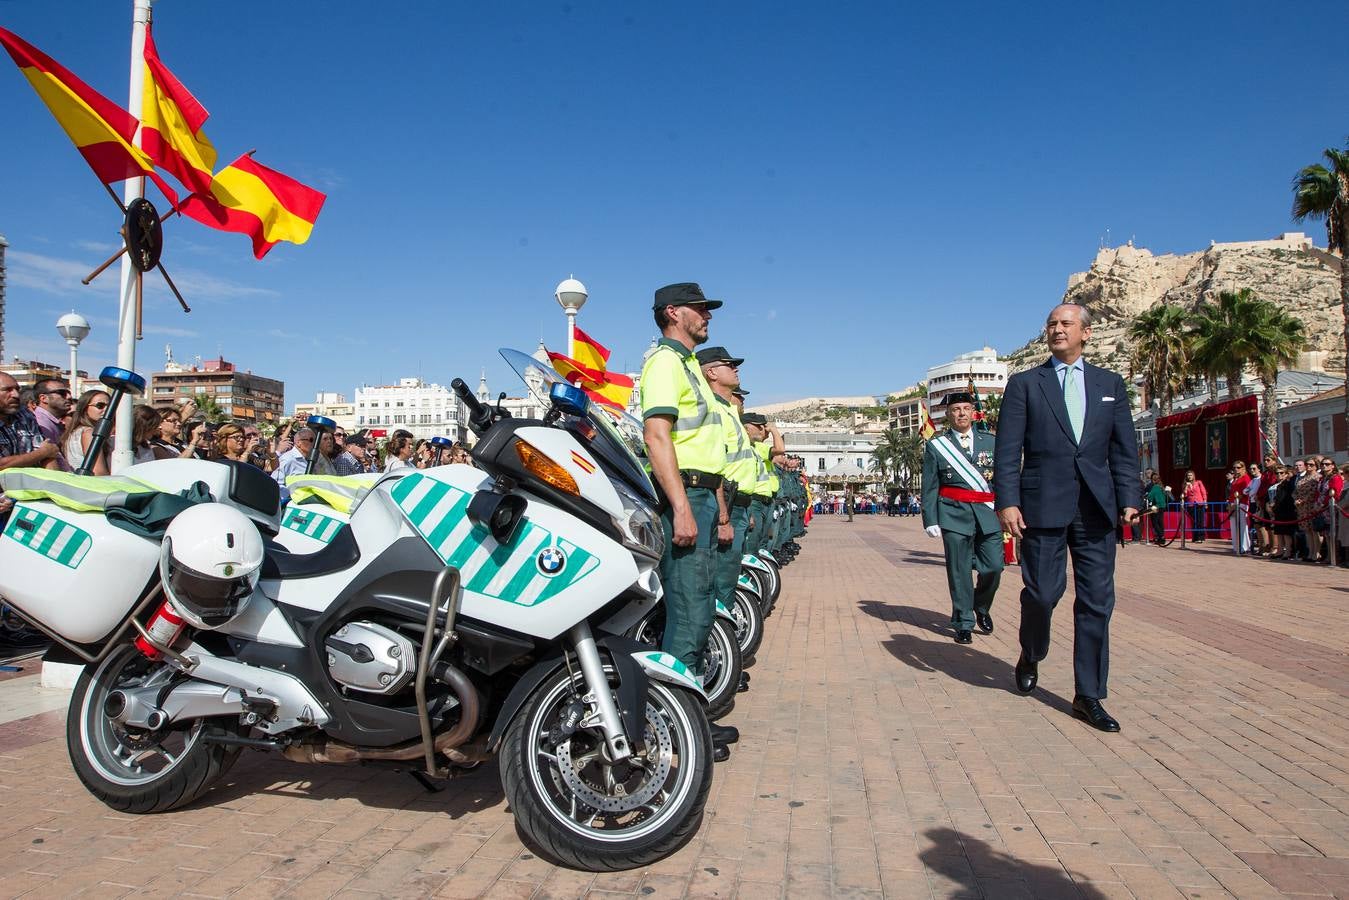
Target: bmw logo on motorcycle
551,560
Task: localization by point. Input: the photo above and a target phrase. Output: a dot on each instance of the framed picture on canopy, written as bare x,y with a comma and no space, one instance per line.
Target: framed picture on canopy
1180,448
1215,444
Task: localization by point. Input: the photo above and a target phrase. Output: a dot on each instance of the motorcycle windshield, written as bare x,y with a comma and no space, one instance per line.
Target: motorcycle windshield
613,435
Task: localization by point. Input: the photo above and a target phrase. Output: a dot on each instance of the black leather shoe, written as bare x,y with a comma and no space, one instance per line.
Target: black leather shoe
1027,674
984,621
1093,713
720,753
964,636
722,735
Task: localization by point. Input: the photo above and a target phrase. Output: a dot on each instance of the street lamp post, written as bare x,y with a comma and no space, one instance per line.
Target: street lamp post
571,296
74,328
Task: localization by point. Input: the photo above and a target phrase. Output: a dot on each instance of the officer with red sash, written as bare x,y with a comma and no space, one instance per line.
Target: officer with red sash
958,508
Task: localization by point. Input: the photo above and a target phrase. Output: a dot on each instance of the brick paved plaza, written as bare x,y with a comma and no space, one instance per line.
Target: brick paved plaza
878,759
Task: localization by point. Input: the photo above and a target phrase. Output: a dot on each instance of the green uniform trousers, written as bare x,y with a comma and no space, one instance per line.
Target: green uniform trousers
686,574
758,517
729,555
981,552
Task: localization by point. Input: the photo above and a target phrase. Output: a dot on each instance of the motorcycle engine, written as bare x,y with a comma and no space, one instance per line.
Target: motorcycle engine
368,657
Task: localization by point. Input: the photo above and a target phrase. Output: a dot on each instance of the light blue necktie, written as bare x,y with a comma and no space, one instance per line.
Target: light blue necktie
1072,398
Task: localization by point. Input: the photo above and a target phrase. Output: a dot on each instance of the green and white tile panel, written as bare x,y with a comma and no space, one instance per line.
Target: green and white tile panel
508,572
53,538
311,523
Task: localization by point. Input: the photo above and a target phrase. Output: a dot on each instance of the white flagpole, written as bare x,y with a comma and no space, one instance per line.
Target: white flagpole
124,453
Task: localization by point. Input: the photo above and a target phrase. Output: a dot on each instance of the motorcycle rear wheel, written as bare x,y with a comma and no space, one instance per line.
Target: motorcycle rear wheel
138,771
600,816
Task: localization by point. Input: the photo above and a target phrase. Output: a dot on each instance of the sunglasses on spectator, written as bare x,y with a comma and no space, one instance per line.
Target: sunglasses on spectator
102,405
63,392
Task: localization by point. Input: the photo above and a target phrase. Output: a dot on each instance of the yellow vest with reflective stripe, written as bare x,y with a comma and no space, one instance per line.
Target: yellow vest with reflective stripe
742,463
673,385
765,454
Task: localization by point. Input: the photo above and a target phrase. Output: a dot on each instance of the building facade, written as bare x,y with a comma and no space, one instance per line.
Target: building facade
28,372
1316,425
426,410
821,450
334,406
907,415
980,366
242,396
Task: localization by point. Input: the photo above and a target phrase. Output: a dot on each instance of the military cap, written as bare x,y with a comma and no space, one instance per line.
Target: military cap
686,293
753,419
957,397
740,392
710,355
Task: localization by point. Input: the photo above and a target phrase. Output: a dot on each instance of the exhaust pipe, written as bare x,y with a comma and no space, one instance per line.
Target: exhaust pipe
450,743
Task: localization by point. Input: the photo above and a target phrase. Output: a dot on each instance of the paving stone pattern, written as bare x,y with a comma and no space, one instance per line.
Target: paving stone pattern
878,759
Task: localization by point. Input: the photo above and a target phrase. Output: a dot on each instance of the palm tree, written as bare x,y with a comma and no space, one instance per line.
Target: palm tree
1224,338
908,461
1277,342
1161,352
992,406
210,409
1323,193
883,455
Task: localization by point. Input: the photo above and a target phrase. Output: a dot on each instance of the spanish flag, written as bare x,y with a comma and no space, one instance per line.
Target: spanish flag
249,198
926,427
101,130
171,120
609,388
589,352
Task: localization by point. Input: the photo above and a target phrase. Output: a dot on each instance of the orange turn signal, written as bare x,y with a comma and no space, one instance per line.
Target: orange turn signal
537,463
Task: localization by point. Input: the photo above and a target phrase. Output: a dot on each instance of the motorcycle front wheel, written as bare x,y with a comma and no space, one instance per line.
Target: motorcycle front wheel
748,623
135,770
721,679
590,812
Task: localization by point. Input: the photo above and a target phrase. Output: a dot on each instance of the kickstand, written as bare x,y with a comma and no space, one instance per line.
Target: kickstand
432,787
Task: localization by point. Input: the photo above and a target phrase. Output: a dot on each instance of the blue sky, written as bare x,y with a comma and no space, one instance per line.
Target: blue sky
871,187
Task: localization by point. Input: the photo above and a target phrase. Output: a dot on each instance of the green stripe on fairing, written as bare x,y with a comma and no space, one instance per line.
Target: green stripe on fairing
580,563
312,524
71,555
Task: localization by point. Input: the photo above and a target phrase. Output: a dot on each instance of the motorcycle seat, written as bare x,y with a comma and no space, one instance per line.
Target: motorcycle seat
342,552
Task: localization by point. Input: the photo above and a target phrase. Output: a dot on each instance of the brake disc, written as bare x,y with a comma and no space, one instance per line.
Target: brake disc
660,749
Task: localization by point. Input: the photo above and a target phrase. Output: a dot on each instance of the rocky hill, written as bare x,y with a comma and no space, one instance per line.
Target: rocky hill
1124,281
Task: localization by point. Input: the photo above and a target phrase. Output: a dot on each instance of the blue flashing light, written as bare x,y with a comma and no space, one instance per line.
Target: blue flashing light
439,441
569,398
321,423
124,380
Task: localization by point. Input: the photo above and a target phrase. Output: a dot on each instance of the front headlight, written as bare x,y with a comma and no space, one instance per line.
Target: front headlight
641,528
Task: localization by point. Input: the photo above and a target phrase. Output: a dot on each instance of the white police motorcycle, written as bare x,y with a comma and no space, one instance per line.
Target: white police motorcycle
460,613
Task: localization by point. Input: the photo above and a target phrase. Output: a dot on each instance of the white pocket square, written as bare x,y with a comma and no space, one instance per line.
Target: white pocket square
1107,399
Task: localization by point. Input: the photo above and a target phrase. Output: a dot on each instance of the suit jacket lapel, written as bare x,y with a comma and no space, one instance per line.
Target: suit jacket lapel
1049,384
1096,389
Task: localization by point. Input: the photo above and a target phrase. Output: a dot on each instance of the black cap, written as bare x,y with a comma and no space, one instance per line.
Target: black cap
740,392
686,293
357,439
753,419
957,397
717,354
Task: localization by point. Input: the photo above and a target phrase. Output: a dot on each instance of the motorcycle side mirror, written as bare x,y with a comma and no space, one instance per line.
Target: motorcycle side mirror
500,514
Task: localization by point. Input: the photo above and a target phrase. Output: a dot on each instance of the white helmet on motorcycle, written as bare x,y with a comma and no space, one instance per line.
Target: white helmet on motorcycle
210,562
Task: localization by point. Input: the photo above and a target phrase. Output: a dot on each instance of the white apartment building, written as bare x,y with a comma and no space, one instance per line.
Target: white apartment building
333,405
426,410
980,366
821,450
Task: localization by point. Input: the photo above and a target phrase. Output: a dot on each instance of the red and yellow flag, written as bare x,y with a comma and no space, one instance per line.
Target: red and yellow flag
926,427
101,130
171,121
589,352
609,388
249,198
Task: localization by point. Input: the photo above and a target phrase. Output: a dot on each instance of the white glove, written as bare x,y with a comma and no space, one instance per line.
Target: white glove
933,530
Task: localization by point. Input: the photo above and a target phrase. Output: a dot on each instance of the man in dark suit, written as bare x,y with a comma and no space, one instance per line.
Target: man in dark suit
1066,467
958,508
